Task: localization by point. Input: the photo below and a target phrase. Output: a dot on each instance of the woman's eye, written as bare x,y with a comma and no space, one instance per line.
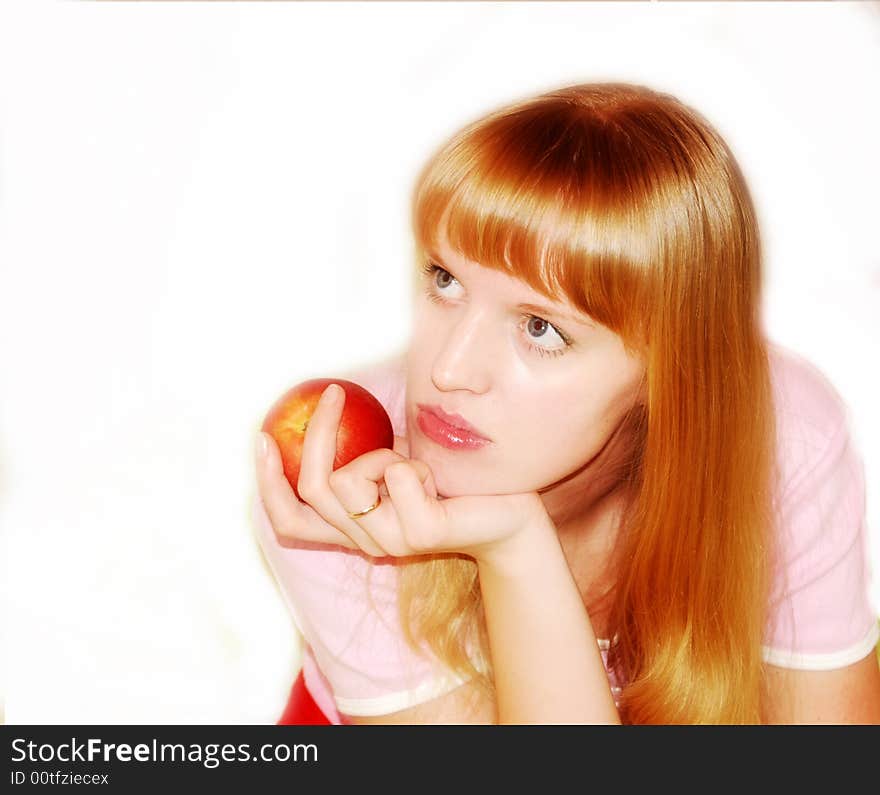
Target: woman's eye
541,337
545,334
442,278
438,281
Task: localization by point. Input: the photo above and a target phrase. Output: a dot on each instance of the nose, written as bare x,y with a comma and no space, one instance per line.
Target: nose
464,357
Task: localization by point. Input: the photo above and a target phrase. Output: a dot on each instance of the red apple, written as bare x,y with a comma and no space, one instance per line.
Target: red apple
364,425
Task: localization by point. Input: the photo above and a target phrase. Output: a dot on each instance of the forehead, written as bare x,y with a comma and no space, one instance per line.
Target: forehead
506,288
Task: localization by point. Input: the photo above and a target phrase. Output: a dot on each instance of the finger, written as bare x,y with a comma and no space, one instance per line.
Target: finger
288,516
317,459
319,445
421,515
275,491
336,494
401,445
355,483
357,487
425,476
382,524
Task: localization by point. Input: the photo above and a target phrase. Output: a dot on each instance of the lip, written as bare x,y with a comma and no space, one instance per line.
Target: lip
449,430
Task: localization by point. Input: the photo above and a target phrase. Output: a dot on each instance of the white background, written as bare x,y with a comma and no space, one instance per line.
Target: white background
203,204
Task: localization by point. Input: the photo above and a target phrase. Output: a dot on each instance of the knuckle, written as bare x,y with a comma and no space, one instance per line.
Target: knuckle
396,468
421,469
307,489
340,480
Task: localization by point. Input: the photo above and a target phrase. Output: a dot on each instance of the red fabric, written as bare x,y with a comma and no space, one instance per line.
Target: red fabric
301,710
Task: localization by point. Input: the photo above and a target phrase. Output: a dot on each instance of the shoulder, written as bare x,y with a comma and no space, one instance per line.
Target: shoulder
819,467
815,445
810,412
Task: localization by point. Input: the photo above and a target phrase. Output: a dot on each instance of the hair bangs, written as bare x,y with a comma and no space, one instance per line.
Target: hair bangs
577,233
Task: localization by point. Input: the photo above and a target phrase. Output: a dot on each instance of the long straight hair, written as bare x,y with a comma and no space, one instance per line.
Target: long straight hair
627,203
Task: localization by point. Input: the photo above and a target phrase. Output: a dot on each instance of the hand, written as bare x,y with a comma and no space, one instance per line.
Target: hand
410,520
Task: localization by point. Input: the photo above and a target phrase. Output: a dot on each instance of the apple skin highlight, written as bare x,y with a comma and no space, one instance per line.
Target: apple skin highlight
364,425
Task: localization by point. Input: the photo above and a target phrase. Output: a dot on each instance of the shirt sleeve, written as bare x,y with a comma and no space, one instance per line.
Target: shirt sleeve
821,615
345,608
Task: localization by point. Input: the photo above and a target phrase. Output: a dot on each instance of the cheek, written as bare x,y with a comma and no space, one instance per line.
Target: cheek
554,447
546,435
424,340
557,434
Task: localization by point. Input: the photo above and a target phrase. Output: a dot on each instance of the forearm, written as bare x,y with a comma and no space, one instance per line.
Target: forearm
546,661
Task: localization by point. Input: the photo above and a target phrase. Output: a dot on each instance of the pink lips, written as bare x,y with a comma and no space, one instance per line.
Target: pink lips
449,430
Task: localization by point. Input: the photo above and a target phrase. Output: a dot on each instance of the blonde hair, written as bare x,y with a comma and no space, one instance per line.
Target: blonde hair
627,203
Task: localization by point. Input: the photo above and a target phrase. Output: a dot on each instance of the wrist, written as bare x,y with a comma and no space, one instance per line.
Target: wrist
517,554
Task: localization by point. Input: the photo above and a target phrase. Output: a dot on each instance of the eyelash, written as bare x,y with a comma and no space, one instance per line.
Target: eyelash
430,269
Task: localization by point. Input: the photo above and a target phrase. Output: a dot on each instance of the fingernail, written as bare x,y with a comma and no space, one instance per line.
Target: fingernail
262,445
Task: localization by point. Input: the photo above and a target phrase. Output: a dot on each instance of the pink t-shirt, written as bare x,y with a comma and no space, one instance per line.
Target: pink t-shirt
357,662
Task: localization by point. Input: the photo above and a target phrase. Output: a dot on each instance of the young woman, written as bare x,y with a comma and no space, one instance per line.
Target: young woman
611,499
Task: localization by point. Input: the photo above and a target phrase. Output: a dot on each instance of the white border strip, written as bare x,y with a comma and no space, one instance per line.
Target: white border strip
823,662
394,702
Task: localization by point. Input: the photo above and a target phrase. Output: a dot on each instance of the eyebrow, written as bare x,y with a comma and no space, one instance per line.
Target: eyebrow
536,309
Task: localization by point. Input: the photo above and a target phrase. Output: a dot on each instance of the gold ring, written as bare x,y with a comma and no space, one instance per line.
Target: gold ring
358,514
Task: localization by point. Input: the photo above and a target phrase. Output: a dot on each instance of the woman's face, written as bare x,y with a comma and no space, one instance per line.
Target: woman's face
545,387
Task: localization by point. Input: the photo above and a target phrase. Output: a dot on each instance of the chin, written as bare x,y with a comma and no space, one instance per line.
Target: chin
458,483
452,481
448,485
